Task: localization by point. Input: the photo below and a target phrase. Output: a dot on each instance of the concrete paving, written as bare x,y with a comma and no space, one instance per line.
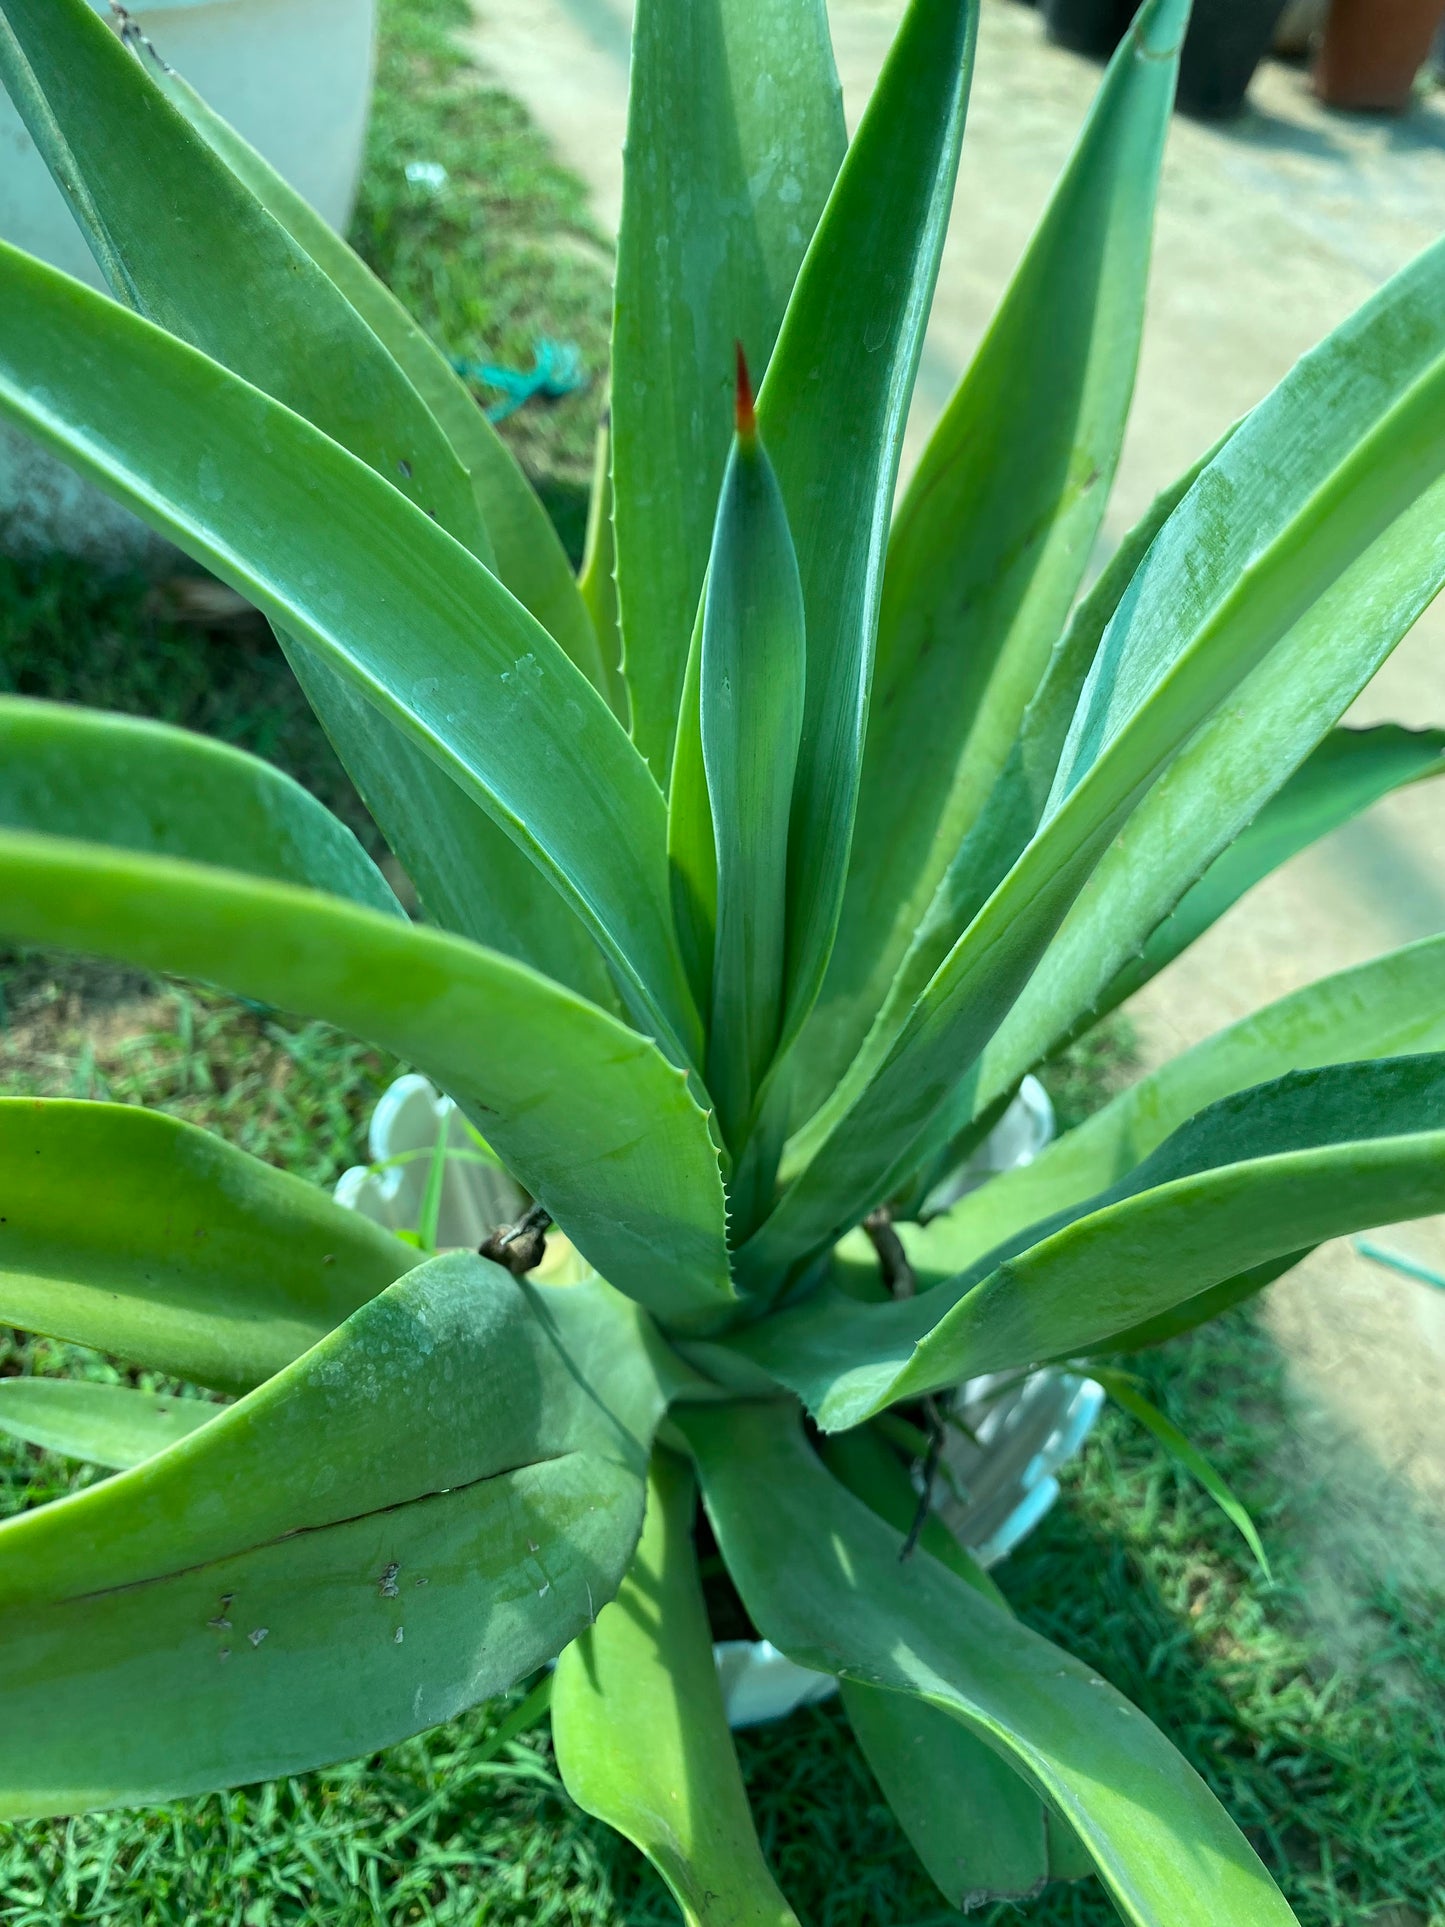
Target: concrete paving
1270,230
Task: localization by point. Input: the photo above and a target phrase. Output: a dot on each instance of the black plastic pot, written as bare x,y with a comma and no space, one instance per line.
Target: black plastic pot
1226,41
1093,27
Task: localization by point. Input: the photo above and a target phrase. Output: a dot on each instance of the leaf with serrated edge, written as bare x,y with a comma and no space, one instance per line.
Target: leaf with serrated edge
587,1114
1258,1175
338,559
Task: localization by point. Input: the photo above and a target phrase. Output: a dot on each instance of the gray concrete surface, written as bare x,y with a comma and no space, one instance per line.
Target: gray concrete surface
1270,230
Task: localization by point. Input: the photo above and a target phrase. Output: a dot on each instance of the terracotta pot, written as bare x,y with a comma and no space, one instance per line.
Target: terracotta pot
1372,50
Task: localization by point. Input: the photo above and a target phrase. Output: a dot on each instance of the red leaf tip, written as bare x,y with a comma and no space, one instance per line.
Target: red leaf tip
746,418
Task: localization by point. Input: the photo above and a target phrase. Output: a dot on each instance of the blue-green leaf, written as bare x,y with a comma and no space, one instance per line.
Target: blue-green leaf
753,666
821,1576
993,535
247,1605
1253,1178
1245,563
640,1733
185,1256
106,1425
338,559
734,134
588,1115
145,786
832,409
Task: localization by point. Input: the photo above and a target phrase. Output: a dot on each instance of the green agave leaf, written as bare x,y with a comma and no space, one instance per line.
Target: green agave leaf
991,540
752,668
979,1829
1196,1311
471,877
178,237
1348,771
1124,1392
1253,549
339,560
1392,1006
734,134
242,1607
597,582
1260,1174
1008,819
640,1733
530,558
108,1425
832,409
588,1115
313,327
1218,785
135,1234
145,786
821,1576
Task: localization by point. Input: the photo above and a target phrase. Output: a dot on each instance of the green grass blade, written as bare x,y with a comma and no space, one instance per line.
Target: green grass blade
1246,562
338,559
832,409
587,1114
178,237
240,1608
1348,771
821,1576
106,1425
1124,1392
752,669
734,134
640,1733
1266,1172
146,786
991,540
529,555
188,1257
1393,1005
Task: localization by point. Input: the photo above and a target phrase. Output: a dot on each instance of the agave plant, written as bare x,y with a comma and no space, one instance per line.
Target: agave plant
759,864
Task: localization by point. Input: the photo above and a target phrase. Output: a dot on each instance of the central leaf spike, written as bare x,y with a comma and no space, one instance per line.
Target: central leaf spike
753,670
747,420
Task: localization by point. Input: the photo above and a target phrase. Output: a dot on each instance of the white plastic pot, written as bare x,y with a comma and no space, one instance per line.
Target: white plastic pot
292,76
1025,1432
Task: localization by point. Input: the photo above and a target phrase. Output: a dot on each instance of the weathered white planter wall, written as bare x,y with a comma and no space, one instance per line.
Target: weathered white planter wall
292,76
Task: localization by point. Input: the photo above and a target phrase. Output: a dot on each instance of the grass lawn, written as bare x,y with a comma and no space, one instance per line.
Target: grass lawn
1339,1780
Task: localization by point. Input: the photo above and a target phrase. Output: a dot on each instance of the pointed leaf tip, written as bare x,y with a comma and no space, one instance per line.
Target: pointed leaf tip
747,421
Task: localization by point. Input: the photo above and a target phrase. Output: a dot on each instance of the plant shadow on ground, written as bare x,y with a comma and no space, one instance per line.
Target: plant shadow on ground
1340,1781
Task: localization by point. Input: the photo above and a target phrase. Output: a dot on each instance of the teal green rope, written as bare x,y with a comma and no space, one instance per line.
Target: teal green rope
1397,1261
556,371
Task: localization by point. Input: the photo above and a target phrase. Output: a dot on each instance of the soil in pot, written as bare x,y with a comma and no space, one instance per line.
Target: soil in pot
1372,51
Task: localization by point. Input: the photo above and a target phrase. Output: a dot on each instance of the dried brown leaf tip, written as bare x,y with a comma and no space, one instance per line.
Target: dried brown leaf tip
746,416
